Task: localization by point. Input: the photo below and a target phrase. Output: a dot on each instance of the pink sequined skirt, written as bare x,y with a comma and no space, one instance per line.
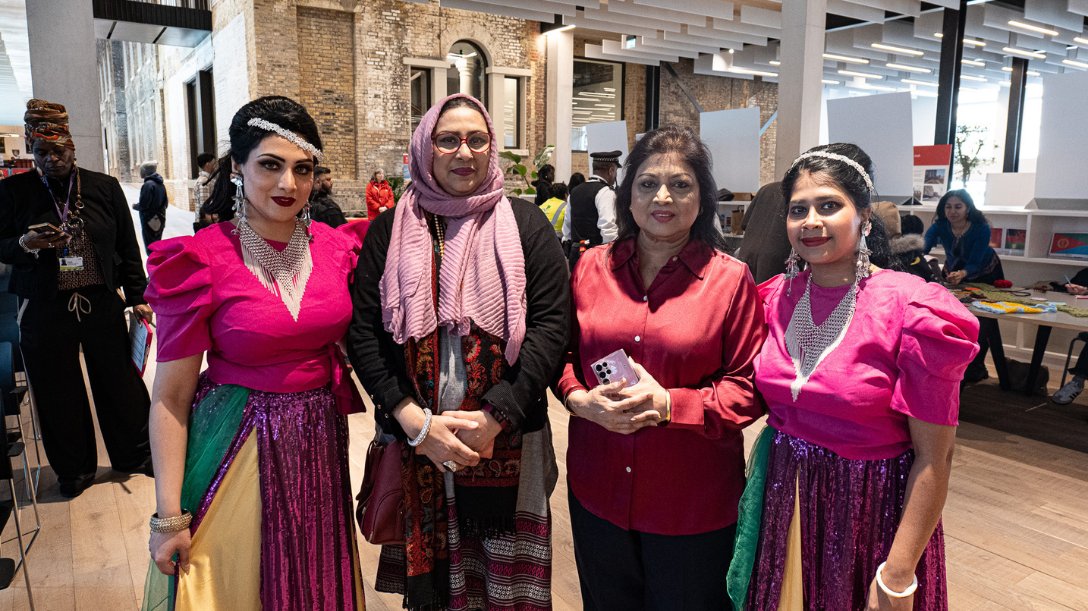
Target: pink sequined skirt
850,510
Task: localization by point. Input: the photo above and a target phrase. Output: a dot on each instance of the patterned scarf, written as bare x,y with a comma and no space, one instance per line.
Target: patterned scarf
47,121
482,280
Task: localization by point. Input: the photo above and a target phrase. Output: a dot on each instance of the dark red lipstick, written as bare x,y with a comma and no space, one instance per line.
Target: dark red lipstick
285,202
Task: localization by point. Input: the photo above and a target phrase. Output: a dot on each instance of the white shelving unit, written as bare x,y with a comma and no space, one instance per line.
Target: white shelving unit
1033,266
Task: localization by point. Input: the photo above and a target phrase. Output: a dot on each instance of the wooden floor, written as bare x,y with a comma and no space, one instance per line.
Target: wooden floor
1016,524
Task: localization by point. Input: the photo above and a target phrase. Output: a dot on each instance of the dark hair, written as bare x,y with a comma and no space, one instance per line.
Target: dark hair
203,158
846,177
244,138
458,103
576,179
974,215
546,173
560,190
911,224
684,142
320,169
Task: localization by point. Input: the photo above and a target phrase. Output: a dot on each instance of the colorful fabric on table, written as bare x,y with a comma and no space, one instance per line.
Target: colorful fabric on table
47,121
1009,307
483,279
849,513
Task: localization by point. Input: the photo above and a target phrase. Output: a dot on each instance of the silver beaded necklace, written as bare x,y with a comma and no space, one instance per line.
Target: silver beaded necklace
808,343
284,273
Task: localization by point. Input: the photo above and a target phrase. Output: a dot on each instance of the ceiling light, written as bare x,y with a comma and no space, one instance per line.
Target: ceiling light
977,79
1029,72
876,87
921,83
732,51
775,62
973,62
1073,62
739,70
906,68
1032,28
973,43
938,34
1024,53
846,58
859,74
828,81
898,50
1082,40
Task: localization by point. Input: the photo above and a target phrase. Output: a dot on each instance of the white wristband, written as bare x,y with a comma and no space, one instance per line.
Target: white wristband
423,431
890,592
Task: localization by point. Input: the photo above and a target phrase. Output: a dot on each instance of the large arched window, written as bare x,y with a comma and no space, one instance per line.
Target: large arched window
467,72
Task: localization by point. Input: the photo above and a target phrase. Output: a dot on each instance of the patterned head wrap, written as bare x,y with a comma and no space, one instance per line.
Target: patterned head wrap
47,121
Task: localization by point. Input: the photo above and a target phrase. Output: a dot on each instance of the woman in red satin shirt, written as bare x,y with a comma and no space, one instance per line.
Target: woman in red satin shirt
656,469
379,196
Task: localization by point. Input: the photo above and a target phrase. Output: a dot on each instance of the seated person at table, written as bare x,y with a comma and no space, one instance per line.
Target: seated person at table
908,251
964,233
1065,395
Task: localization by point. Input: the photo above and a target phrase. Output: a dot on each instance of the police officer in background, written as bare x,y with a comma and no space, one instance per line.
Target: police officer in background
591,215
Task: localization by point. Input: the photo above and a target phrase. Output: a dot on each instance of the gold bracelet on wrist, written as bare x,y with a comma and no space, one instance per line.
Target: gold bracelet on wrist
172,524
566,404
668,410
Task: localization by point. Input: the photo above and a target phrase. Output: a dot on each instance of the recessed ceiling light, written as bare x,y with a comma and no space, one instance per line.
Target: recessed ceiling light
1073,62
828,81
907,68
1024,53
1029,72
860,74
973,62
938,34
846,58
740,70
1082,40
1032,28
876,87
977,79
916,82
898,50
973,43
775,62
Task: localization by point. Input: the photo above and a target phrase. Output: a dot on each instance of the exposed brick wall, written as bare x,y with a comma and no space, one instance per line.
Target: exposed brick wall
327,83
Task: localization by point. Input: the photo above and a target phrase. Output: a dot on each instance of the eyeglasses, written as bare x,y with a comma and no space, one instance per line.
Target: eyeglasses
449,143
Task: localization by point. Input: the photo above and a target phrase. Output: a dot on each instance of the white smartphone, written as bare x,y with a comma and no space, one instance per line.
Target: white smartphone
615,367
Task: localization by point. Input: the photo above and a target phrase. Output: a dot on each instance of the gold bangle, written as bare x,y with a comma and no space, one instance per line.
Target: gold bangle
668,409
171,525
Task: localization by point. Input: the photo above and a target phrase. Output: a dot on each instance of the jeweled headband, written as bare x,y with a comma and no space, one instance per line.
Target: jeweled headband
287,134
837,157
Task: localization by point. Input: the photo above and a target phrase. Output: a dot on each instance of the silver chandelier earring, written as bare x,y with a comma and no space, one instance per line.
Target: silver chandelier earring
793,267
239,197
306,220
863,253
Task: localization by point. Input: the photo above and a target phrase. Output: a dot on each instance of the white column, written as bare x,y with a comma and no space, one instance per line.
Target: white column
800,83
560,90
64,69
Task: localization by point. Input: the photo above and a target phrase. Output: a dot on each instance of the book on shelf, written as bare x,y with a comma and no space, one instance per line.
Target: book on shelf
1069,245
1013,243
996,236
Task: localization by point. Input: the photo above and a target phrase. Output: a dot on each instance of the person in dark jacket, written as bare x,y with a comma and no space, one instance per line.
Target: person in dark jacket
322,206
765,246
543,183
68,233
908,250
152,204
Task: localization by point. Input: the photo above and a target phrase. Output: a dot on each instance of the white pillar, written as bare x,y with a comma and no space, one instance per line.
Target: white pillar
800,83
560,89
64,69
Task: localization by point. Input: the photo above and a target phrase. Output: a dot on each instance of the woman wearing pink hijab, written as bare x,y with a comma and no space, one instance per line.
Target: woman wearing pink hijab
460,322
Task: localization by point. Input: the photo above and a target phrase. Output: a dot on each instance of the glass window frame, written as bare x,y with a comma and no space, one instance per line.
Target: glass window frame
620,101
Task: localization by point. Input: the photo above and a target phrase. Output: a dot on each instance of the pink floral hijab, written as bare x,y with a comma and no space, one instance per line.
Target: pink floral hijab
482,275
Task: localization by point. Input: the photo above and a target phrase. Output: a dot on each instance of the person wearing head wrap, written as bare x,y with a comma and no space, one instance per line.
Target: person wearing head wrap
68,234
461,305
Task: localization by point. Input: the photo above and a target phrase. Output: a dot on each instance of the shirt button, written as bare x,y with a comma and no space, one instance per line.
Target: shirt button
638,338
645,297
628,469
675,258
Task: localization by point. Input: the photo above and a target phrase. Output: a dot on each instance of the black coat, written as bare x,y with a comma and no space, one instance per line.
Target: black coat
153,198
24,201
323,208
522,394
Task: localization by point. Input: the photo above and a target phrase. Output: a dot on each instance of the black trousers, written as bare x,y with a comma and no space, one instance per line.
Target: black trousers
152,235
1080,368
626,570
51,338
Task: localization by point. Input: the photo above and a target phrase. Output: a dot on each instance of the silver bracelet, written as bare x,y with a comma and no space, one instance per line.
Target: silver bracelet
890,592
423,431
23,239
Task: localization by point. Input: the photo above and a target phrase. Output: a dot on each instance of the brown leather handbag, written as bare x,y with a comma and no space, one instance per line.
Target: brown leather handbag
380,511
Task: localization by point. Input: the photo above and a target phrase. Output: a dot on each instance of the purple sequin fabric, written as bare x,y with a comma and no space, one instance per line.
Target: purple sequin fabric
850,510
307,527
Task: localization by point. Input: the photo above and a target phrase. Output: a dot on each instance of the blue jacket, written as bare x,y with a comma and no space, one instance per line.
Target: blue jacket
973,252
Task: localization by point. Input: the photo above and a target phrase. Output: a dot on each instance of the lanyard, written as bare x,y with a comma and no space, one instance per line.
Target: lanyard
62,215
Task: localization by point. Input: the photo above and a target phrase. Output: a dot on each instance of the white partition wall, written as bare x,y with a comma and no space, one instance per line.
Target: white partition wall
610,136
1063,136
882,126
733,139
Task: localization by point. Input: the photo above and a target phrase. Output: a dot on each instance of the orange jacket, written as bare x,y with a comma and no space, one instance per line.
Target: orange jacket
378,195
